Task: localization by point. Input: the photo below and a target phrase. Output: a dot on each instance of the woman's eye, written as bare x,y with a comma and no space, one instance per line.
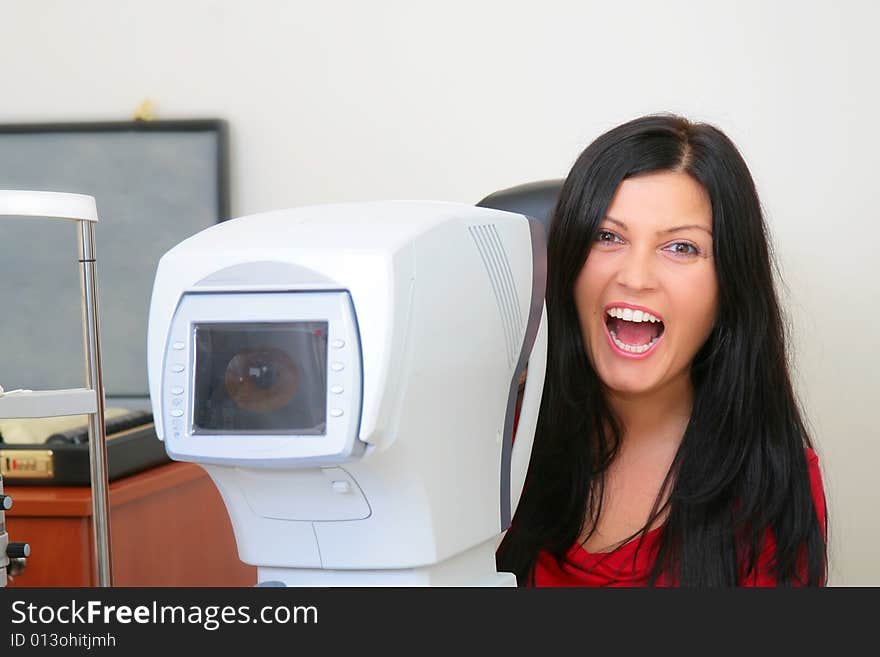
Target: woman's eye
608,237
683,249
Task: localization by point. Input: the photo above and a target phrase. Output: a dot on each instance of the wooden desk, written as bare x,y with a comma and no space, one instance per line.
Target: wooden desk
168,527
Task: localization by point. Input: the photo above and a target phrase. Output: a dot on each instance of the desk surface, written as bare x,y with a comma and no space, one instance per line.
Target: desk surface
77,500
168,527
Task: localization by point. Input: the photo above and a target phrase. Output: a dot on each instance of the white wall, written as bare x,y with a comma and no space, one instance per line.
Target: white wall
345,100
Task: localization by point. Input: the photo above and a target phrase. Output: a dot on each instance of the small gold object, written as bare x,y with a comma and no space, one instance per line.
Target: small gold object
26,464
145,111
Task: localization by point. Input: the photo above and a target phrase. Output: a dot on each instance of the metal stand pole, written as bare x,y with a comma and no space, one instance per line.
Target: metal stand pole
97,430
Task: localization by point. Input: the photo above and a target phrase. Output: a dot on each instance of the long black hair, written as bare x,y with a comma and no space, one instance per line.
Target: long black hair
741,467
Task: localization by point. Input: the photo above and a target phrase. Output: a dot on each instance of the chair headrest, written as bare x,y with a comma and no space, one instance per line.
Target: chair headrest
535,199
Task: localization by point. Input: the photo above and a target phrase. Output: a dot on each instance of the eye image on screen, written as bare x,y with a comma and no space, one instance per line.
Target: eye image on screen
260,378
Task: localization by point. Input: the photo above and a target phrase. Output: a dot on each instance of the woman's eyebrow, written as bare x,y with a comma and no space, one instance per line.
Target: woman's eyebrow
665,230
685,227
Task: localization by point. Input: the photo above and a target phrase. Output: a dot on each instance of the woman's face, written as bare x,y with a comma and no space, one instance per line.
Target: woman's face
647,295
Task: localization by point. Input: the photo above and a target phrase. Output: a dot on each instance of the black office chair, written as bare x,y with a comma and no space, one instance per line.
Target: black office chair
535,199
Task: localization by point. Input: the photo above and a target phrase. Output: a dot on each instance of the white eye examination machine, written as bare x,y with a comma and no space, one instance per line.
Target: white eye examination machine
348,376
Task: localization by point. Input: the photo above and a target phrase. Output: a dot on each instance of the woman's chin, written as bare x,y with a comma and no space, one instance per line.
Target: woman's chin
630,384
629,388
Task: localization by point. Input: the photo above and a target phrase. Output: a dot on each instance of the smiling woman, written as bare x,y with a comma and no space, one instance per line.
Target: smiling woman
670,449
661,258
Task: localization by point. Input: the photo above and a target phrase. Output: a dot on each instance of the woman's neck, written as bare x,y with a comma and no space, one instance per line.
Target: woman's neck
656,416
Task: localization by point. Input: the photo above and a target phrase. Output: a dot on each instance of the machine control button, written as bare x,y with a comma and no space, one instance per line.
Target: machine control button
5,502
341,487
18,550
178,345
337,390
177,367
338,344
337,366
336,412
177,412
177,390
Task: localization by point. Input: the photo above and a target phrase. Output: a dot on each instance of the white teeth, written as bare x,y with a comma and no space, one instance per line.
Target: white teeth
635,349
627,314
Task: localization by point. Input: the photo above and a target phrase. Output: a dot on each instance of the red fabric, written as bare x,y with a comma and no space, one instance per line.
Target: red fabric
631,564
515,424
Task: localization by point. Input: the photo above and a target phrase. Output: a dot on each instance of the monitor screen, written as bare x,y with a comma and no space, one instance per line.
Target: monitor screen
155,184
260,378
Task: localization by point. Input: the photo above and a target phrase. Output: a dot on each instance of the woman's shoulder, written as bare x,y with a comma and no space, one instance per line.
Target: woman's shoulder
816,485
813,466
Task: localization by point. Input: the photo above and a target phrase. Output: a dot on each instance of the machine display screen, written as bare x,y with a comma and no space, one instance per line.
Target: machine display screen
260,378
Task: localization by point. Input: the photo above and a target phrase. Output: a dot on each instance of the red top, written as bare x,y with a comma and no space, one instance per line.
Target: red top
629,566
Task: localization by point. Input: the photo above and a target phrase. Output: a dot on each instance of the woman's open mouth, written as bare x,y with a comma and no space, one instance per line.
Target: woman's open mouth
633,331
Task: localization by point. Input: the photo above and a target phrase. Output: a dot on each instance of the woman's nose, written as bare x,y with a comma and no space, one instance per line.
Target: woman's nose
637,270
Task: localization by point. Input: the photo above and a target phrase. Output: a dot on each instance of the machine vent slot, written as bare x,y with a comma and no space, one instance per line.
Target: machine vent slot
498,268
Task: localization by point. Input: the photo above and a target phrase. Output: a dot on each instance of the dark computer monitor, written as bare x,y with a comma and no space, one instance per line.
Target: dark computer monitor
155,183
